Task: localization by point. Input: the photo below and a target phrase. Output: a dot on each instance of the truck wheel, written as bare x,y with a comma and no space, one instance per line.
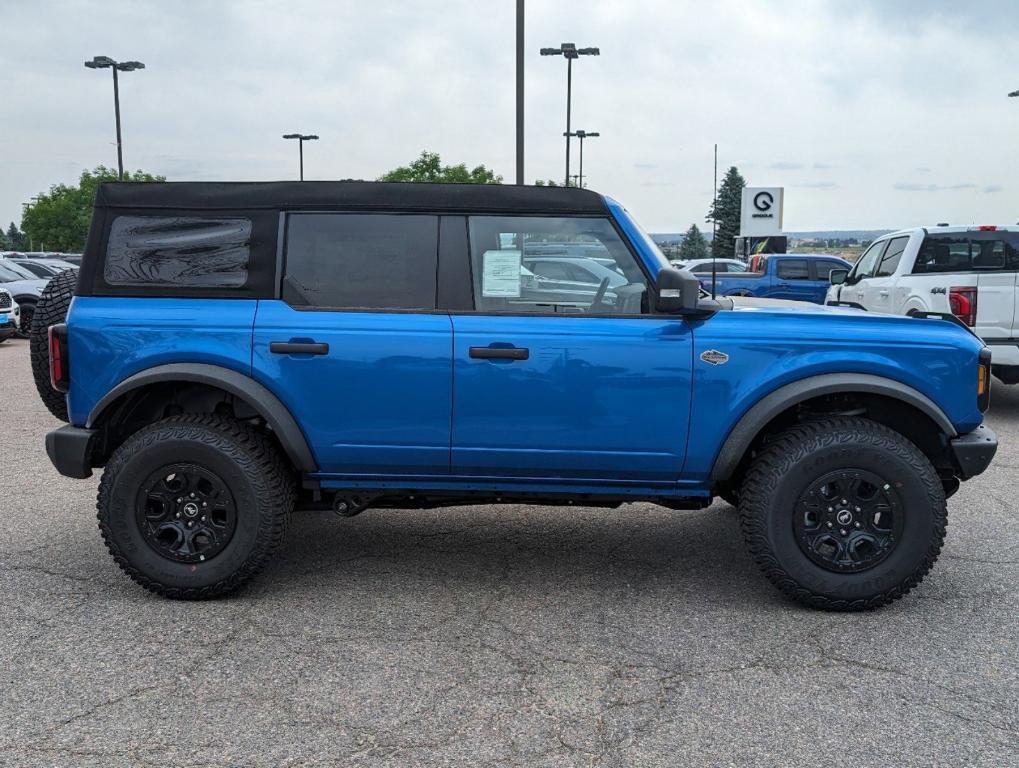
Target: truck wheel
193,506
49,310
843,514
27,312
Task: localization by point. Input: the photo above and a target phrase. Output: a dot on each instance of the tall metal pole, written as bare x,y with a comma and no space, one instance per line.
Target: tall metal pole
580,175
714,218
569,95
116,109
300,152
520,91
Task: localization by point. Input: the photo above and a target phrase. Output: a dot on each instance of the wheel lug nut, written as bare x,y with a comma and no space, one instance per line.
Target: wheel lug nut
857,509
179,500
841,530
843,500
192,495
830,523
203,518
178,514
204,504
857,523
190,524
831,509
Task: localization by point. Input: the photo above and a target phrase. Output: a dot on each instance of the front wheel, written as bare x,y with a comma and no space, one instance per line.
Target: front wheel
843,514
27,313
194,506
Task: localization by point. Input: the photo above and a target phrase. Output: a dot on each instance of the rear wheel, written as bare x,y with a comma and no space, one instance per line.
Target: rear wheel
49,310
843,514
194,506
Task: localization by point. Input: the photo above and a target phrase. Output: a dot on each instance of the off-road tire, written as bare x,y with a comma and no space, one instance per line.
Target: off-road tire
50,310
795,459
251,466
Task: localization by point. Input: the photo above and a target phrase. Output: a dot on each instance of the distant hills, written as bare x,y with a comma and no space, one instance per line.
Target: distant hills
827,234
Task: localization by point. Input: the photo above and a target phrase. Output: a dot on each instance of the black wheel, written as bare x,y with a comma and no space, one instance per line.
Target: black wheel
49,310
843,514
27,313
194,506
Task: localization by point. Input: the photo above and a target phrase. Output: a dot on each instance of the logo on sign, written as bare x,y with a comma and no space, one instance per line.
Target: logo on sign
763,202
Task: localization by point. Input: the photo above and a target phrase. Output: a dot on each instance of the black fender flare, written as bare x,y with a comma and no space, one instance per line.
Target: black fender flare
771,405
276,414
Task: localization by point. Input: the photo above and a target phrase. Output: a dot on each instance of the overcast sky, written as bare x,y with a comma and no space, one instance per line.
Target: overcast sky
870,113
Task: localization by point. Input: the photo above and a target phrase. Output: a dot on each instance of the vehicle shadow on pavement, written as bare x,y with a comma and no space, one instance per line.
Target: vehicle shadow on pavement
561,548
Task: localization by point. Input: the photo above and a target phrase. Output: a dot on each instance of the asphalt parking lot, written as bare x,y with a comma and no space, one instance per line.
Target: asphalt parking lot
496,636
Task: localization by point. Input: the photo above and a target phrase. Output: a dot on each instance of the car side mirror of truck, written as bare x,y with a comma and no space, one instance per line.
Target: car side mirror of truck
838,276
676,292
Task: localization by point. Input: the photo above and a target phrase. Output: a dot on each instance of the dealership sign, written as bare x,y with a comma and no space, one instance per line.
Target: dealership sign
761,211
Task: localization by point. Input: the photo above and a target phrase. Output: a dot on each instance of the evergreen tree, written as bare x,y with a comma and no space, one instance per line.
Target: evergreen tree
725,213
694,245
15,238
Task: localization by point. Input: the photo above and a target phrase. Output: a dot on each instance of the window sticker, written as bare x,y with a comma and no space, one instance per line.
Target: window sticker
501,274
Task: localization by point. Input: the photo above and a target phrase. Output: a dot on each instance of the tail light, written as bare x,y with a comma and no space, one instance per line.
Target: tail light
963,301
984,380
60,373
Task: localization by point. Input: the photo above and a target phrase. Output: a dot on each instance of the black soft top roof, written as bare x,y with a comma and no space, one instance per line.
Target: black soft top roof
365,195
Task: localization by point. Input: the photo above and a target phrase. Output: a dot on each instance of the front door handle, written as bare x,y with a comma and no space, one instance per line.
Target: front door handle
299,348
500,353
883,294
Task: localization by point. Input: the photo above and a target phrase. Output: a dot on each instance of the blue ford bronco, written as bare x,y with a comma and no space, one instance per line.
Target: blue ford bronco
234,351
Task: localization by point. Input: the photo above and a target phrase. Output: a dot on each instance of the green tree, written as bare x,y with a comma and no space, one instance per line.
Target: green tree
694,246
546,183
59,219
429,167
15,239
725,211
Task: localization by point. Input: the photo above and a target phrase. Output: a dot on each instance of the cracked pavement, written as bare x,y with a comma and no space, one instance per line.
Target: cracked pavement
496,636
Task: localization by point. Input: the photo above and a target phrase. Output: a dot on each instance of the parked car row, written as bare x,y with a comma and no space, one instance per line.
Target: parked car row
72,258
23,279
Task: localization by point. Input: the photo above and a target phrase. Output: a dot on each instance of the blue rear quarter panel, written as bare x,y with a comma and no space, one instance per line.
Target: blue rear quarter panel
112,338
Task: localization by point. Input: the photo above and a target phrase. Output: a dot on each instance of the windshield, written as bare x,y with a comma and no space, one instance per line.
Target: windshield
10,272
650,244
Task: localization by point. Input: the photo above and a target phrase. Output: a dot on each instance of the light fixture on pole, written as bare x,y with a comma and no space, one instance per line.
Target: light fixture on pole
581,134
104,62
569,51
301,138
1014,94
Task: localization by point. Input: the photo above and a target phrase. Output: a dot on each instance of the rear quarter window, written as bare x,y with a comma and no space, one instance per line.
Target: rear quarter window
185,254
793,269
183,251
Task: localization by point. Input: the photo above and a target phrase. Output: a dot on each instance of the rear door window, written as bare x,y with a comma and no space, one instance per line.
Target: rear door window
793,269
361,261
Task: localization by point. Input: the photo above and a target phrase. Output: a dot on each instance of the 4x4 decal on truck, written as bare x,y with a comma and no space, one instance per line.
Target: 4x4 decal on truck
714,357
936,290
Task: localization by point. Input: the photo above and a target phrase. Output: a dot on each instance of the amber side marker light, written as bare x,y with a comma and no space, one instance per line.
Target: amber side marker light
984,380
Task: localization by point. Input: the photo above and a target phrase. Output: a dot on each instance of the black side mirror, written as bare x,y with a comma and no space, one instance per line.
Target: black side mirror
838,276
676,292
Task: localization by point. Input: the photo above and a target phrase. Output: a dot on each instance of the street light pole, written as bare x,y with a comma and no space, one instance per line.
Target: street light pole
520,91
103,62
570,52
582,134
301,138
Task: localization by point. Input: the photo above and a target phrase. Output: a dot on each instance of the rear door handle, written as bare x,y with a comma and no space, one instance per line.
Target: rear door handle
883,293
299,348
500,353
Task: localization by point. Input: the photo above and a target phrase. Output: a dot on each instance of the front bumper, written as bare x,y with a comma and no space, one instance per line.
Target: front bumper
70,450
973,452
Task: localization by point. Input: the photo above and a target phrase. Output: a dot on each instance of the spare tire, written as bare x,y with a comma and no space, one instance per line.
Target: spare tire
50,310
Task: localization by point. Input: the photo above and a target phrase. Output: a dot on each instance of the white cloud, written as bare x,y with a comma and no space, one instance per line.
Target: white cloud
872,95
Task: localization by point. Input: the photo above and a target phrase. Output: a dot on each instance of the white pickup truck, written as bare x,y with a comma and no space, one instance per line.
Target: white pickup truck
969,272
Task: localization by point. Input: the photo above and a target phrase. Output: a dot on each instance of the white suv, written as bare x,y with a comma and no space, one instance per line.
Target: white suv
10,315
969,272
